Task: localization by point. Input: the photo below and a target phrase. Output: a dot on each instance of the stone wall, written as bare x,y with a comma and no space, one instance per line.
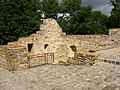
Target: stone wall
115,36
59,43
13,57
51,33
16,57
88,42
83,58
3,60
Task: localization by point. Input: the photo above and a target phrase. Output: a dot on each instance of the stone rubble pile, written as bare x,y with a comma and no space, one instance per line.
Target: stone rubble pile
83,58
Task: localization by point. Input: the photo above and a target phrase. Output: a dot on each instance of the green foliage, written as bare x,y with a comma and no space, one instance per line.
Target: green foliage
96,23
70,6
79,20
17,19
20,18
64,23
114,21
85,21
50,8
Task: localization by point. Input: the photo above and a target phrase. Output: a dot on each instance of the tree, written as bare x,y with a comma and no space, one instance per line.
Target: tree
78,20
96,23
50,8
17,19
114,21
64,23
70,6
86,21
20,18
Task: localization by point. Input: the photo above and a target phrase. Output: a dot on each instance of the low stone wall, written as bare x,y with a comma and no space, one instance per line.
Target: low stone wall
22,41
86,55
16,57
50,32
3,60
13,57
109,61
115,36
83,58
88,42
62,45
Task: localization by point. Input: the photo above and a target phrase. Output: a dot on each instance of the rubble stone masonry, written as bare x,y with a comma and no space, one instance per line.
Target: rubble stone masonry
51,39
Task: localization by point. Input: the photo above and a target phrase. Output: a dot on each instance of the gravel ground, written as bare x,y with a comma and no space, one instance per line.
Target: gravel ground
112,54
100,76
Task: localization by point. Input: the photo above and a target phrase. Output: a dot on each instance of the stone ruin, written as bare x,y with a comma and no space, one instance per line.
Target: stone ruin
50,45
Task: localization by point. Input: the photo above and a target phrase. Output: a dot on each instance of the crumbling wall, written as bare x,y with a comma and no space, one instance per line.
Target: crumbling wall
3,60
114,32
115,36
88,42
59,43
22,41
13,57
16,57
83,58
51,32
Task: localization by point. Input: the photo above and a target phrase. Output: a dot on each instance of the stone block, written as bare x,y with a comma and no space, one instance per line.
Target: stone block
13,57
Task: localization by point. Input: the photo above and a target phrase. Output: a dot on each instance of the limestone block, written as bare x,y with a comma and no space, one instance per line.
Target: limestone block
59,43
3,60
15,55
83,58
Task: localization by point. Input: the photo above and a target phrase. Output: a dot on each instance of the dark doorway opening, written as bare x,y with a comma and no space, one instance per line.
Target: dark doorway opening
73,47
30,47
45,46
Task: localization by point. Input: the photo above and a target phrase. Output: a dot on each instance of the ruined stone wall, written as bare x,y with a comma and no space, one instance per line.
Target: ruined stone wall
88,42
3,60
16,57
57,42
83,58
13,57
115,36
22,41
51,33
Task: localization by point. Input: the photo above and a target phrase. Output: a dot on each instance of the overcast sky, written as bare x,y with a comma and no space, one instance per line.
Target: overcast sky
102,5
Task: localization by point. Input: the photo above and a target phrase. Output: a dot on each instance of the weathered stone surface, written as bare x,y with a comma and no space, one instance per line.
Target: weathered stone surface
16,55
60,77
73,61
51,33
3,60
83,58
51,39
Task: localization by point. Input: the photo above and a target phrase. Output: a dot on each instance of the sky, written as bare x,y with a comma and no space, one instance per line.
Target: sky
101,5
